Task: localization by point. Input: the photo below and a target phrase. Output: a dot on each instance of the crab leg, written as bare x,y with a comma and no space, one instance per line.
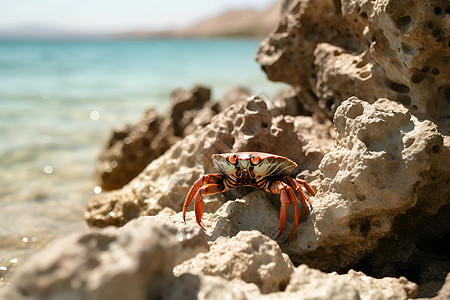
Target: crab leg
209,189
213,186
190,196
296,185
284,210
287,196
297,217
306,185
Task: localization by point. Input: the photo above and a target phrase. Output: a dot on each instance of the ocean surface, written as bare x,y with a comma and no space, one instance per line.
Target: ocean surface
59,101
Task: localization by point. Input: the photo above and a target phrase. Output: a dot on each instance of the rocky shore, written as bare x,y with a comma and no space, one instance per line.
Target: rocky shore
366,120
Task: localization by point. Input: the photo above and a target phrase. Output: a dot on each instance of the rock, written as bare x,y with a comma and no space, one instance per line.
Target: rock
249,256
332,50
165,182
383,160
307,283
196,119
234,95
133,262
189,286
131,148
123,206
136,262
444,293
258,210
182,102
386,174
288,103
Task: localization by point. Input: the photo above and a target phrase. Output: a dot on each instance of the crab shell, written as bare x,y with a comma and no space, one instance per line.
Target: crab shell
261,170
258,165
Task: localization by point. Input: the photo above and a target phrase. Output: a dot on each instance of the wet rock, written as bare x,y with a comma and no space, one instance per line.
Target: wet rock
332,50
249,256
133,262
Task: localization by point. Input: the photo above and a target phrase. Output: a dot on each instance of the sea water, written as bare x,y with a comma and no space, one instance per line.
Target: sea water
59,101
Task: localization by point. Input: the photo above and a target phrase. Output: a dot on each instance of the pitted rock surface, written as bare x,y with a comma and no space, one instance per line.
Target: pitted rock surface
383,159
133,262
331,50
249,256
245,126
132,147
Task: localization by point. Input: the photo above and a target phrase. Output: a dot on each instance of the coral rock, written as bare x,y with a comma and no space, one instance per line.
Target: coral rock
133,262
249,256
234,95
444,293
315,284
331,50
132,148
246,126
184,101
374,174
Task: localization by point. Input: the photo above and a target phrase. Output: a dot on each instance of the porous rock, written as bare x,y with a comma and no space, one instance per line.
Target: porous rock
245,126
184,104
132,147
444,293
382,162
133,262
331,50
418,248
234,95
249,256
308,283
388,168
190,286
289,103
197,118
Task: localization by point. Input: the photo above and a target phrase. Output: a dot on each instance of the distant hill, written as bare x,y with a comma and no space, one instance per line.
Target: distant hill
233,23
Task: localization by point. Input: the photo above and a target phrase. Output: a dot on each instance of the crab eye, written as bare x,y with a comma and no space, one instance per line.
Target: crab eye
255,159
232,159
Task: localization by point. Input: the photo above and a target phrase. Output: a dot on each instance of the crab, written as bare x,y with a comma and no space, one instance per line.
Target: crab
266,171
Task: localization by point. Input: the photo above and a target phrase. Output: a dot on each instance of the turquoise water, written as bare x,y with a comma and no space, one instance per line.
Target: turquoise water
59,101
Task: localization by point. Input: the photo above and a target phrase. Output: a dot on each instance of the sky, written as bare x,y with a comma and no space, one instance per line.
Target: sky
103,16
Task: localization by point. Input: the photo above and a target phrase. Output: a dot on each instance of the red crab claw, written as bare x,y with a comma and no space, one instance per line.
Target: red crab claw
212,186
